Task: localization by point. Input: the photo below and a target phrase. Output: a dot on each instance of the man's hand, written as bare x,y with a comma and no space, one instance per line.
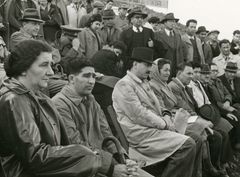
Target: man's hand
75,44
121,170
233,117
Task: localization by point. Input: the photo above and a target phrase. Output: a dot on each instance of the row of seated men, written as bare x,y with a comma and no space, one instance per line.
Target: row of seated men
149,112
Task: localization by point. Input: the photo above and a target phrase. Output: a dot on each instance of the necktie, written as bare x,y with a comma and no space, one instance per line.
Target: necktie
138,30
171,34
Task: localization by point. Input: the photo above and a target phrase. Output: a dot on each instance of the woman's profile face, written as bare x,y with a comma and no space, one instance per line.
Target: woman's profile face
96,25
165,72
38,74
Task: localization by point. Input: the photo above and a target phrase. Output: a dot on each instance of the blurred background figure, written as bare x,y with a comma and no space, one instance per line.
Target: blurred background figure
109,5
52,16
121,20
16,11
235,44
75,12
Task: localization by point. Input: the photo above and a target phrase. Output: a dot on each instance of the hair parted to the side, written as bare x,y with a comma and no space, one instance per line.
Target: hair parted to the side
161,62
93,18
23,56
76,64
181,67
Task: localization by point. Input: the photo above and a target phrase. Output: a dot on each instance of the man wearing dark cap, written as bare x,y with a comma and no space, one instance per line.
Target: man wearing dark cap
98,6
169,43
109,33
148,127
121,19
213,42
69,42
137,35
235,44
207,51
31,21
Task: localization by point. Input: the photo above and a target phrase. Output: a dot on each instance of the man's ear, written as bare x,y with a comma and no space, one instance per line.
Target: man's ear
71,78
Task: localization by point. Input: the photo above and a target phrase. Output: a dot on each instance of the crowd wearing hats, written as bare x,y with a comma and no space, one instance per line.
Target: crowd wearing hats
201,76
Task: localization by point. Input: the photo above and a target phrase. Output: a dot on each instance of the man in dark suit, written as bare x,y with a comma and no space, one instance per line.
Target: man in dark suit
221,98
136,35
207,51
169,44
232,83
187,101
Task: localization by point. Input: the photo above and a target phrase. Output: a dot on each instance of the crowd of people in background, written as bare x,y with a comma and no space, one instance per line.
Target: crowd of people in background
88,90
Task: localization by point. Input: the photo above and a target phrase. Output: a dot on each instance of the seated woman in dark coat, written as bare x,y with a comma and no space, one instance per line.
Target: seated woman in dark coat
33,141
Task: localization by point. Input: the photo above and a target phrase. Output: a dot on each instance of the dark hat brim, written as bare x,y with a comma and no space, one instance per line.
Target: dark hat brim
108,17
198,32
231,70
130,15
68,28
142,60
214,31
164,20
32,19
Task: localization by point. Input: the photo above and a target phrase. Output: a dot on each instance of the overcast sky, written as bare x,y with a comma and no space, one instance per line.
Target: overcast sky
223,15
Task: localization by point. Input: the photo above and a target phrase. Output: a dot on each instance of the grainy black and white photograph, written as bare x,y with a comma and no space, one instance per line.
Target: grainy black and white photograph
119,88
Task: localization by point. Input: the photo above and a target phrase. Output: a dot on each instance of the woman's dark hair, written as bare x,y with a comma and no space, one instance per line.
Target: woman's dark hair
23,56
119,45
162,62
76,64
93,18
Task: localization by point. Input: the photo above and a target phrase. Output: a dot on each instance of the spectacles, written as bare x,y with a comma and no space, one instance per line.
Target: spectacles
2,45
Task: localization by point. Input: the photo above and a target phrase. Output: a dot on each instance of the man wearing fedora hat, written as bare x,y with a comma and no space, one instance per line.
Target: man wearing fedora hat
207,51
169,43
109,33
137,35
231,82
147,125
121,19
30,27
220,96
16,8
225,57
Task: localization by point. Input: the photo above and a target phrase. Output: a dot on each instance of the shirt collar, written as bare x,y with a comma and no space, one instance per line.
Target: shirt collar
180,82
190,37
135,28
71,94
134,77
